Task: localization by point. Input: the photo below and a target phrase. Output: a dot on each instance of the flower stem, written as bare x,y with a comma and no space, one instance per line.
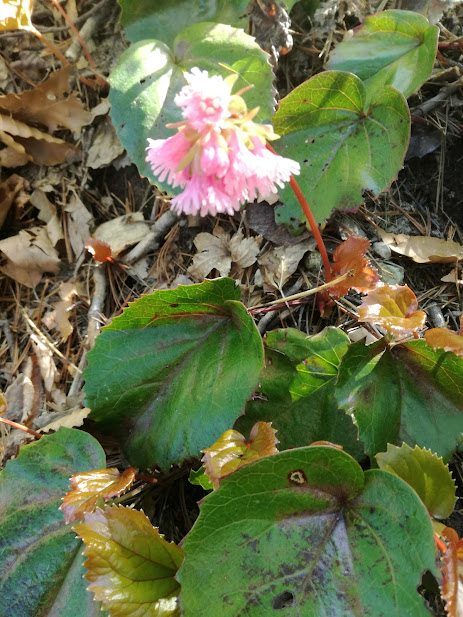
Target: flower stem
312,224
21,427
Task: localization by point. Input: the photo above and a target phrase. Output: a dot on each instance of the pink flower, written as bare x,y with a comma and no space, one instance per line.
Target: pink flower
218,156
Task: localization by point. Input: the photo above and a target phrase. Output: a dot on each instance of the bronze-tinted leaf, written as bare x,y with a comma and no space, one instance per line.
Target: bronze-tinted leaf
350,257
394,308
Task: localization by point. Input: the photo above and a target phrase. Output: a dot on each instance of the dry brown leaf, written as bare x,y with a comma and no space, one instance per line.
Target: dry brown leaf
423,249
105,147
123,231
67,420
79,222
9,190
47,214
29,255
452,277
278,264
47,105
218,251
58,317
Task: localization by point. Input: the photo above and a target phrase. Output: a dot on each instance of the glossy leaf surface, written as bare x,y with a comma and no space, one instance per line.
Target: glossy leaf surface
232,451
296,390
345,144
303,530
174,371
148,75
34,540
425,473
394,308
130,567
442,338
395,48
163,19
408,393
90,486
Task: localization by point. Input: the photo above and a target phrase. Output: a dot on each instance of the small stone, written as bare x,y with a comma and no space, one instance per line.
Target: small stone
382,250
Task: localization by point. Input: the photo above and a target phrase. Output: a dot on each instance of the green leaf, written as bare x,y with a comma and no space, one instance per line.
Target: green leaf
344,144
163,19
174,371
148,75
40,557
305,532
130,567
408,393
200,478
395,48
296,390
426,473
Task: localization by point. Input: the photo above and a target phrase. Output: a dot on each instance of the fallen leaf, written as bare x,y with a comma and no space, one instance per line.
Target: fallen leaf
217,251
452,277
393,307
278,264
130,567
47,214
231,451
423,249
350,257
88,487
123,231
9,190
261,219
441,338
105,147
29,255
67,420
79,222
58,317
15,15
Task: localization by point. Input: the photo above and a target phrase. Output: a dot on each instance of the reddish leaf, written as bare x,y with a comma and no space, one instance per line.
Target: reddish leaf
441,338
231,451
91,486
131,568
452,574
350,257
393,307
100,250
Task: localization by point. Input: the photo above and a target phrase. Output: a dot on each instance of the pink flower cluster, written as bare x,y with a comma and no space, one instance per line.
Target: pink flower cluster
218,156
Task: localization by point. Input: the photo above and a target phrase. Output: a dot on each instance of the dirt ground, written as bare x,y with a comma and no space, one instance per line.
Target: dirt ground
48,327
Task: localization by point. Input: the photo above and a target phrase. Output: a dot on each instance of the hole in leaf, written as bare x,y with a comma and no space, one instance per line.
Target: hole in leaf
283,600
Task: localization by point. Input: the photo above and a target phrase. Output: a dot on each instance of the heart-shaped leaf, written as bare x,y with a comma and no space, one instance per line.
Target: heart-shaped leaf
343,143
130,567
40,557
407,393
426,473
296,390
307,532
395,48
148,75
163,19
174,371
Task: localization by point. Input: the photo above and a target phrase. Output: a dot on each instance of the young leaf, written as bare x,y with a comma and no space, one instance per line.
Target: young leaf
344,143
395,48
200,478
296,390
304,530
88,487
441,338
148,75
426,473
408,393
394,308
174,371
100,250
231,451
130,567
40,558
350,256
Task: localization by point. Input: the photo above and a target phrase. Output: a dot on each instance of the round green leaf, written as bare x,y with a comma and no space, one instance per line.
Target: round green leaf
305,532
296,391
148,75
395,48
163,19
344,144
173,372
426,473
408,393
40,558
